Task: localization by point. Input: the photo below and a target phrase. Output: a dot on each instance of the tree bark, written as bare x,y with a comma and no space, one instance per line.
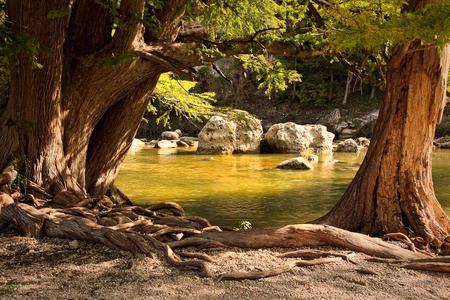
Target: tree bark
393,189
57,126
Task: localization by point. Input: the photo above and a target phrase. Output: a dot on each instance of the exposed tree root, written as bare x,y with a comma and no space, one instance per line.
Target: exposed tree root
148,231
304,235
318,261
435,264
398,236
257,274
317,254
197,255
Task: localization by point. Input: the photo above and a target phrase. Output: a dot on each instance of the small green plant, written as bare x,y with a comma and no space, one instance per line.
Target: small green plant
23,167
244,225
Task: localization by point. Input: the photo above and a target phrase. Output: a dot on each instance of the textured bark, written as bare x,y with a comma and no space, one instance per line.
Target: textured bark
393,189
57,126
31,124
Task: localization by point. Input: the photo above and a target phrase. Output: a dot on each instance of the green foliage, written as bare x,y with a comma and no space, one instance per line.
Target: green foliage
174,97
244,225
272,74
13,45
23,167
231,19
241,117
375,25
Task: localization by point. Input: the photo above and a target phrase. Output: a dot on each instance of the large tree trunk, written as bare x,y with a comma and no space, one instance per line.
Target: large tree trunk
69,122
393,189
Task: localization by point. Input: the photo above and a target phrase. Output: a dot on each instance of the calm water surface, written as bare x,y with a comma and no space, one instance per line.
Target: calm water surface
232,188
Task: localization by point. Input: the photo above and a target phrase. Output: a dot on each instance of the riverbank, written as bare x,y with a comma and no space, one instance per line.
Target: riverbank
52,269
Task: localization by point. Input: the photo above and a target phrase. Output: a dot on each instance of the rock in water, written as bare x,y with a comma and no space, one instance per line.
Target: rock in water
182,144
363,142
293,138
171,135
190,140
312,158
349,145
164,144
235,132
136,145
297,163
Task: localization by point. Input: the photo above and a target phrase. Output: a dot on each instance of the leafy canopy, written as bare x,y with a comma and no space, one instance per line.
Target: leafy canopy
173,97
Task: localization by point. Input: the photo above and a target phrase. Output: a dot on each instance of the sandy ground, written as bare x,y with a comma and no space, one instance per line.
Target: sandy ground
51,269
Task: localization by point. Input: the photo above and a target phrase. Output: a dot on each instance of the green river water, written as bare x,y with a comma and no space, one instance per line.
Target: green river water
227,189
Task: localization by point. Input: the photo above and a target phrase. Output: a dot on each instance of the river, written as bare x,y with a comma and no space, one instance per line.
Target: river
228,189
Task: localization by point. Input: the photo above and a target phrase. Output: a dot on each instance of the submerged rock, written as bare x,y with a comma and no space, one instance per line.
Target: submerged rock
296,163
312,158
164,144
349,145
236,132
293,138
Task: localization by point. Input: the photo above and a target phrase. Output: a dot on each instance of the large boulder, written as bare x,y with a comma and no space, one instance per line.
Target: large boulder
293,138
235,132
349,145
296,163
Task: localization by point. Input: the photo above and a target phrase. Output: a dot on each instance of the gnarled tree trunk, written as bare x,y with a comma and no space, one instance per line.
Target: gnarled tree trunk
70,121
393,189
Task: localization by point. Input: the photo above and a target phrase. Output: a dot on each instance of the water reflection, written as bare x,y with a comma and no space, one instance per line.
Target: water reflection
228,189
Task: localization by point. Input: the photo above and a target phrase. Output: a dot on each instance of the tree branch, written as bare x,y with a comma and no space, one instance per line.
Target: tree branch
90,27
169,18
130,25
169,64
190,54
219,71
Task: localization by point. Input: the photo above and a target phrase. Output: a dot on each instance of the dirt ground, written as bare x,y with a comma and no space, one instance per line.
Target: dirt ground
55,269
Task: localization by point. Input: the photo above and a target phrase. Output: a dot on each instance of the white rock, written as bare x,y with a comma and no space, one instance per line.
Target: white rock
363,142
349,145
164,144
136,145
236,132
293,138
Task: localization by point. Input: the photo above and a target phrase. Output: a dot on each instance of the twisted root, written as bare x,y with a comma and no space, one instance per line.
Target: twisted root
149,231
